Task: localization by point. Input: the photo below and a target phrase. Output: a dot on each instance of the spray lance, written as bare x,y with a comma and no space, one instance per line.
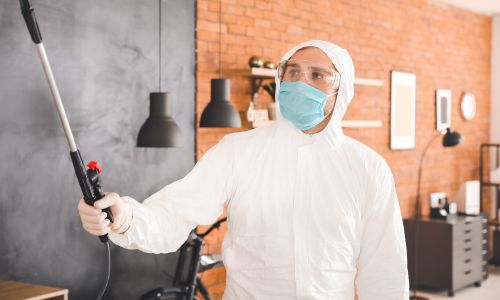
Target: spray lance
87,178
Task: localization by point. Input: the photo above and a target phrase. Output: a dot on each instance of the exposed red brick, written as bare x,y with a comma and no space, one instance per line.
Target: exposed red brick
444,46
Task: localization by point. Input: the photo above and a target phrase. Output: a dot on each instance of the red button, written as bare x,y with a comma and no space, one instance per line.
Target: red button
93,165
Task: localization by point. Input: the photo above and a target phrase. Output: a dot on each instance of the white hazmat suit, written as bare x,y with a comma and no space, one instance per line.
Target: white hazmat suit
306,213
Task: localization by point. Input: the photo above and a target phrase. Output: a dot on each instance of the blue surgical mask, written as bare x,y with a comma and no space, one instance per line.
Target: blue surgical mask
302,104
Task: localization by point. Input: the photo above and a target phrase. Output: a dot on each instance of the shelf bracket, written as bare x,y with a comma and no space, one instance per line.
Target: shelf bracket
256,85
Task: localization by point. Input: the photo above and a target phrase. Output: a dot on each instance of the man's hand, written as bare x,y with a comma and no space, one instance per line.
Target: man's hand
94,219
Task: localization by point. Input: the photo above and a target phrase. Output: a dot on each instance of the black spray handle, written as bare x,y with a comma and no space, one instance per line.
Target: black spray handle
90,184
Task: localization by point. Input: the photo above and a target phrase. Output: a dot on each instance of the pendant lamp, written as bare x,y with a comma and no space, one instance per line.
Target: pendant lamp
160,129
219,111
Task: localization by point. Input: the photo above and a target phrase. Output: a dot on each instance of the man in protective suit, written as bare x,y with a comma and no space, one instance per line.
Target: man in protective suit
310,210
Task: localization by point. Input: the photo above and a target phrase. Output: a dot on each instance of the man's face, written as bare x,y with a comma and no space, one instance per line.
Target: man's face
315,55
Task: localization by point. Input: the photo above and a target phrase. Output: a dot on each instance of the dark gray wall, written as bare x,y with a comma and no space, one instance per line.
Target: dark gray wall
105,59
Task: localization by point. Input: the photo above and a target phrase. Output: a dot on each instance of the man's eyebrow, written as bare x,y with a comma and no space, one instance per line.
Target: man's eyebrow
292,64
310,66
321,68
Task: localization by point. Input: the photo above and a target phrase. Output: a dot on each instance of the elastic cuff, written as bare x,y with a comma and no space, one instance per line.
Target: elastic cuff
126,238
130,216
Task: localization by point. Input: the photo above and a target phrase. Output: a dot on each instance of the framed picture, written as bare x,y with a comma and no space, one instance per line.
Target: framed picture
443,109
403,93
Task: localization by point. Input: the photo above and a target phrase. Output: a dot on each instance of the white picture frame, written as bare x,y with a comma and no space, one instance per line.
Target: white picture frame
403,110
443,109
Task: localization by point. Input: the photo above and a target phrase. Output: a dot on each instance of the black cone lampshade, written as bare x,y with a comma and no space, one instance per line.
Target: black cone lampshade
220,112
160,129
451,138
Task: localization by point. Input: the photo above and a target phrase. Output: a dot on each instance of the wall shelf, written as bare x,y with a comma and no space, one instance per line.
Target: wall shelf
251,72
256,75
345,124
367,81
361,123
264,73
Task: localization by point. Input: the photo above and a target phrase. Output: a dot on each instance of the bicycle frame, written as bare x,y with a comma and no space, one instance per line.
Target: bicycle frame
185,285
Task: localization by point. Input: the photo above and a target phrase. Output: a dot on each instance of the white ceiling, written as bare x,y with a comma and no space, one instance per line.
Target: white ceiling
487,7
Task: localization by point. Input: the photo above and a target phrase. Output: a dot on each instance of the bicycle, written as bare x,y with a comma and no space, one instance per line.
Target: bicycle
190,264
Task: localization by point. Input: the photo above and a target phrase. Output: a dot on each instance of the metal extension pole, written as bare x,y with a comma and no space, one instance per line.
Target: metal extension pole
36,36
56,97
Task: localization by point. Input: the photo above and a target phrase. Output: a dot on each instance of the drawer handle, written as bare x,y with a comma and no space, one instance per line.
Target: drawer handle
467,261
467,272
467,240
467,231
467,249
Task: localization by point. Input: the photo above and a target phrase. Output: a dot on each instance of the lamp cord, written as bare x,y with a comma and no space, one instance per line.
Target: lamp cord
159,45
220,38
417,204
417,216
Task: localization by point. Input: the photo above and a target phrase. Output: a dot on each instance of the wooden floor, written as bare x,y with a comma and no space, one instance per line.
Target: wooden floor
489,290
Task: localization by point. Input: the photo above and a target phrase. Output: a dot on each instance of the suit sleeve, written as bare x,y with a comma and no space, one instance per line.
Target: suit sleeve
382,263
162,223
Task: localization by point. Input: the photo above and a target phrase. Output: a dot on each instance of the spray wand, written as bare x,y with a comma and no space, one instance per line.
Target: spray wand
87,178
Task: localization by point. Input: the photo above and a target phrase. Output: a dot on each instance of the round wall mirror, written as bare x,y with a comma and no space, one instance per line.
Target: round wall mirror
468,106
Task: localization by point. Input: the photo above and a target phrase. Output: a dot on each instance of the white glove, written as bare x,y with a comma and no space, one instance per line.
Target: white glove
94,219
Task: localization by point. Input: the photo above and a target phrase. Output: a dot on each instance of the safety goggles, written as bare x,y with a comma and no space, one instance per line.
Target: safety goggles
320,76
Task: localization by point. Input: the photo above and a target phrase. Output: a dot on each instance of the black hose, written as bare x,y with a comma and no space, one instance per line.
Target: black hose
108,259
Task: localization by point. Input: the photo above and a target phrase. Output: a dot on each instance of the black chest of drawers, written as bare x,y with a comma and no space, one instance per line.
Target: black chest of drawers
449,252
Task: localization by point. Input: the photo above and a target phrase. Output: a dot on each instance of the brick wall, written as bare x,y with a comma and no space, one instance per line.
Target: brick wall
444,46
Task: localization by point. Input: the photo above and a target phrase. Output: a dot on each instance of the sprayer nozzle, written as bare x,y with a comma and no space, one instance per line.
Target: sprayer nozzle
30,19
25,5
